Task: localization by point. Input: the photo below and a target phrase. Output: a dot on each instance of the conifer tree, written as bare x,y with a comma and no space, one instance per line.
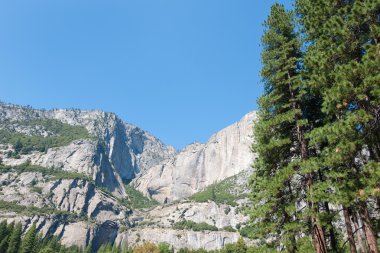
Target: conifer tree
280,140
3,236
241,246
3,229
28,244
343,64
4,241
53,243
15,239
88,248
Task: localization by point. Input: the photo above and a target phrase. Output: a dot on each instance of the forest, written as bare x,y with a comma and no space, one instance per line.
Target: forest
316,185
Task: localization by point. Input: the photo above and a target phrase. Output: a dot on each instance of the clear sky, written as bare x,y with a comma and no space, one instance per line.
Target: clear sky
180,69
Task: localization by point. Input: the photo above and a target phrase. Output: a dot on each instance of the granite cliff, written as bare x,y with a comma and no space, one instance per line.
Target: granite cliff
74,185
225,154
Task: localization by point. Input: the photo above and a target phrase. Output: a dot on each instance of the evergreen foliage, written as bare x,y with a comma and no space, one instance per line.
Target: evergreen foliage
281,118
52,172
137,200
32,210
28,244
165,248
318,134
60,134
32,242
191,225
14,238
223,192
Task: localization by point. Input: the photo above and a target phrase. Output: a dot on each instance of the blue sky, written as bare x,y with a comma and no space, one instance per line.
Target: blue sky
181,69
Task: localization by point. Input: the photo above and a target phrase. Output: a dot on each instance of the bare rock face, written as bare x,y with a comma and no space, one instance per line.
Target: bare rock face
225,154
90,207
119,152
79,233
218,215
75,210
208,240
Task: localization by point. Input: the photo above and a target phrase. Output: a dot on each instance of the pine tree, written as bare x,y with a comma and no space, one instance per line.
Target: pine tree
18,146
241,246
5,240
15,239
342,61
3,229
284,111
4,244
105,248
53,243
28,244
88,248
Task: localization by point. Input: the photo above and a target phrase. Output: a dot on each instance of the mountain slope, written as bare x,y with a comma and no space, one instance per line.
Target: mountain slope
67,170
118,152
72,188
225,154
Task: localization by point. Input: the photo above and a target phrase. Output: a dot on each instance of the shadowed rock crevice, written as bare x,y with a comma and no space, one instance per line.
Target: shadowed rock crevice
104,233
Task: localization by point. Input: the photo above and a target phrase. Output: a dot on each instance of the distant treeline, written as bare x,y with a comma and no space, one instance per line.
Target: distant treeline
12,241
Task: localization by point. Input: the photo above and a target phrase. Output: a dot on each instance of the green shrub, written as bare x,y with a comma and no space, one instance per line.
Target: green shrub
191,225
246,231
54,173
219,193
62,134
165,247
14,207
229,229
32,210
36,189
137,200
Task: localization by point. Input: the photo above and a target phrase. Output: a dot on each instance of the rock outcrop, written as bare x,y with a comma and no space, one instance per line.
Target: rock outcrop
208,240
116,153
78,192
119,152
225,154
75,210
218,215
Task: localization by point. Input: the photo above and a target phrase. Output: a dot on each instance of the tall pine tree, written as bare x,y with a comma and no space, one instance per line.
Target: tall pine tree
342,62
15,239
29,243
281,145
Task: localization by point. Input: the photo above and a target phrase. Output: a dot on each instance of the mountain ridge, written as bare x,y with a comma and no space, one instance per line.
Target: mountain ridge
98,203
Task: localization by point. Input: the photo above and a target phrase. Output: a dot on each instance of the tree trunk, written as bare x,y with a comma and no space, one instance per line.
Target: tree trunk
333,241
293,241
317,230
374,153
319,238
359,234
369,234
350,233
293,244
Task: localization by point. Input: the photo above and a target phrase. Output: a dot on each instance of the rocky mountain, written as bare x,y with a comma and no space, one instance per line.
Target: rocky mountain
67,171
225,154
118,151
